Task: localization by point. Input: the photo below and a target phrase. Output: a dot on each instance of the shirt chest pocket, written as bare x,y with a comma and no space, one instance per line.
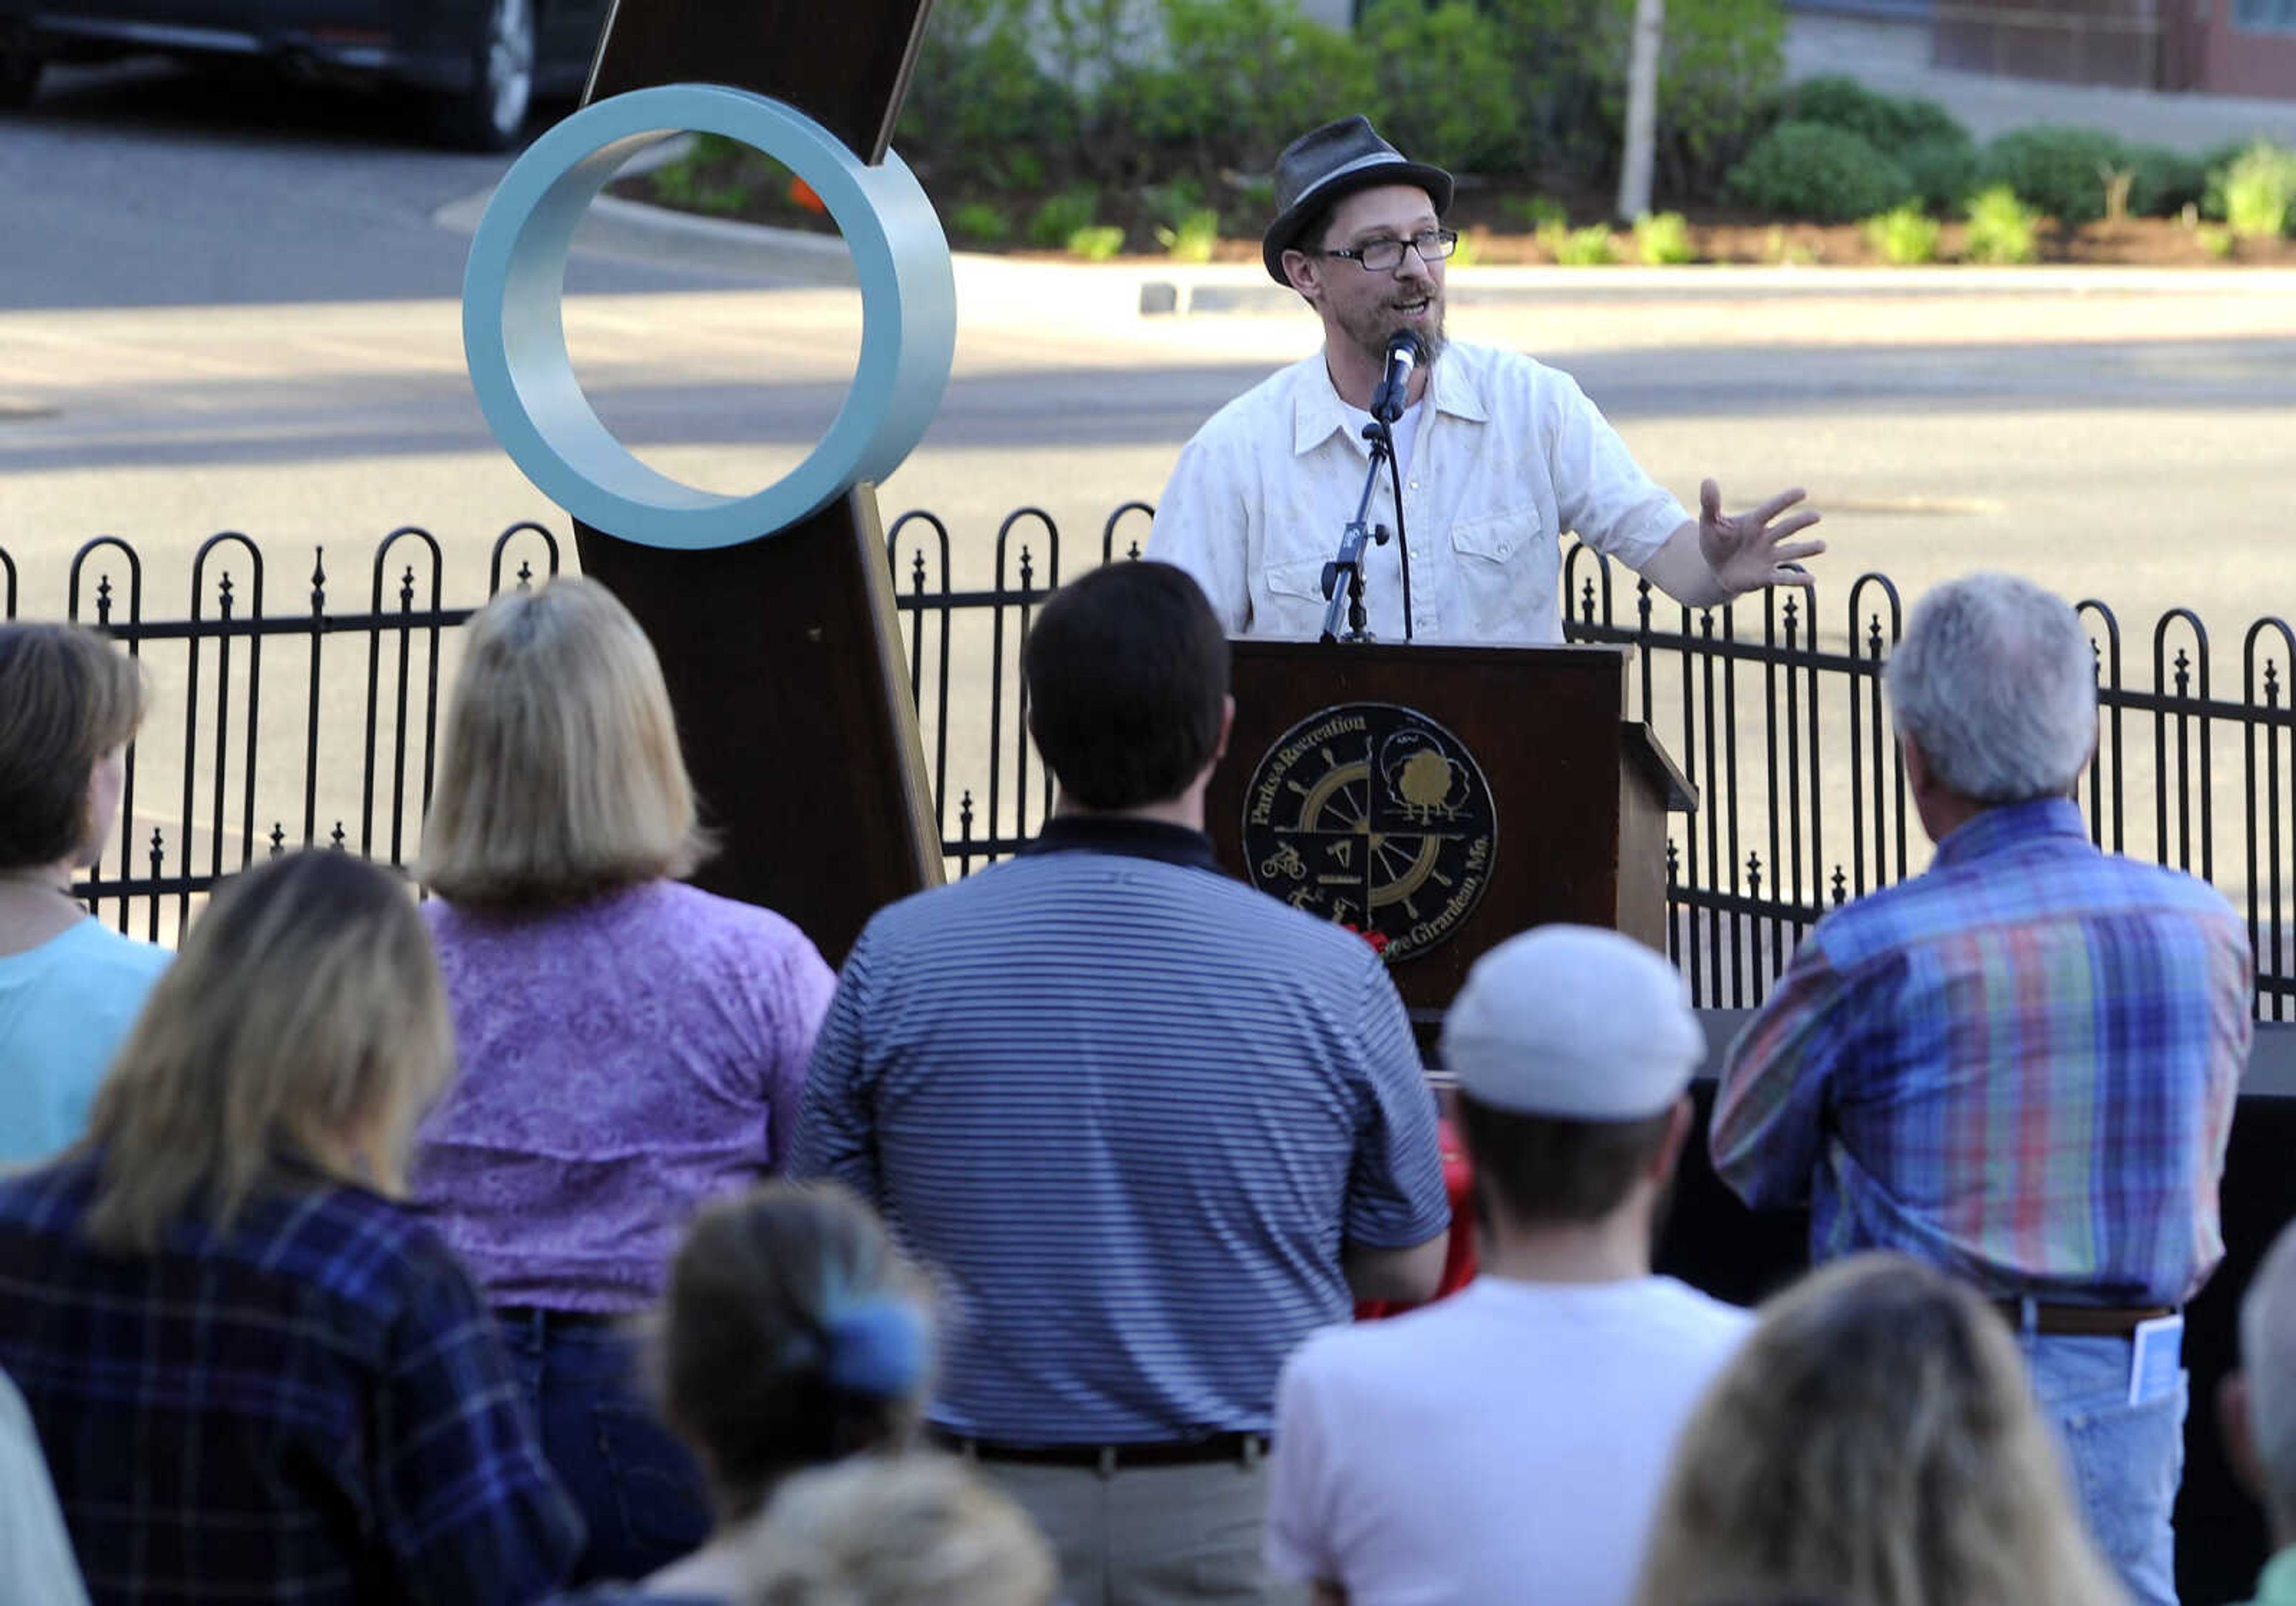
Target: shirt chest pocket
1506,564
1497,537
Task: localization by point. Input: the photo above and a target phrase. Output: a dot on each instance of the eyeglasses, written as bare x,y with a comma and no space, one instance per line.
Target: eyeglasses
1385,256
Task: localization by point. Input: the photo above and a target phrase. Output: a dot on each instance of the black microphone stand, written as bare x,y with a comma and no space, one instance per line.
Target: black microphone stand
1349,564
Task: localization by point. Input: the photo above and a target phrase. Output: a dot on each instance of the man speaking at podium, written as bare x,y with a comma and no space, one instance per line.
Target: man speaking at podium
1495,455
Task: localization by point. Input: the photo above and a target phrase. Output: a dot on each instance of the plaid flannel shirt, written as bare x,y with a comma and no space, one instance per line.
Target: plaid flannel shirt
313,1407
2020,1066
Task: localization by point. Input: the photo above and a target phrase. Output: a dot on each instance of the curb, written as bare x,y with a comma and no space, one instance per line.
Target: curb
1028,290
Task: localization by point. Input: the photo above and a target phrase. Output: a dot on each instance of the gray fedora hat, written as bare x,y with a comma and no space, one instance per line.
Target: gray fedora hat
1326,165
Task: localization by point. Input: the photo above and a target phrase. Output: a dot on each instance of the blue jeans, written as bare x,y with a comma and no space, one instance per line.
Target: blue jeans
640,1490
2126,1460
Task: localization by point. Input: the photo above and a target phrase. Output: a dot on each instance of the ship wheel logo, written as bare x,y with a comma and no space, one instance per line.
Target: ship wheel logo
1375,817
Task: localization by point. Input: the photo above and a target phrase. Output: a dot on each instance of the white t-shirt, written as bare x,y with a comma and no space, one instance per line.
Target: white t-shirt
1505,1445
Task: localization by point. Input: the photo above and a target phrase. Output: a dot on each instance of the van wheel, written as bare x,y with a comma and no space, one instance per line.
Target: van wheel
491,113
20,77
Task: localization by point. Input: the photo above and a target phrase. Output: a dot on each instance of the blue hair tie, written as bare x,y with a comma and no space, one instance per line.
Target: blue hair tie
879,1345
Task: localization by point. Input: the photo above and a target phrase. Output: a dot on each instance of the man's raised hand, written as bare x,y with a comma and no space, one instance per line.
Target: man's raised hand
1751,550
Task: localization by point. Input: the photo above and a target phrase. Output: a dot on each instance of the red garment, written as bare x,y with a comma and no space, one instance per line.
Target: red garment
1459,1260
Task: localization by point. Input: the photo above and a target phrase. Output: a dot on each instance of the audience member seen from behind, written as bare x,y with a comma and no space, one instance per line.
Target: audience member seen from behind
630,1047
1875,1442
1408,1452
1154,1128
69,987
2257,1406
793,1335
2018,1066
919,1531
258,1375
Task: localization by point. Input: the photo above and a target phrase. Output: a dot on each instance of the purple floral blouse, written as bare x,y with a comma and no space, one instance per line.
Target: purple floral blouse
622,1063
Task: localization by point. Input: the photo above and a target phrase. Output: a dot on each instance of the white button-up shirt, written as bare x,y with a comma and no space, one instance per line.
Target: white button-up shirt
1510,454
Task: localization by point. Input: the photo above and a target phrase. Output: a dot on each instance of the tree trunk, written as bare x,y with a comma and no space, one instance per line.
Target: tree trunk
1642,110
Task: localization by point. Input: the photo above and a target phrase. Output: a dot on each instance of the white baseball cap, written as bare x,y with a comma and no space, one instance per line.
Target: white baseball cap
1576,1023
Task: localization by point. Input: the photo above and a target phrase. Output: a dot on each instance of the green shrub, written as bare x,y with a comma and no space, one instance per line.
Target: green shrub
1174,202
1905,236
980,222
1919,135
1780,250
1721,63
1444,94
2163,181
1469,250
2214,161
1098,243
979,107
1590,247
1810,170
1060,216
2001,229
1534,212
1230,84
2061,171
1942,171
2216,240
1885,122
1663,238
1192,238
2260,191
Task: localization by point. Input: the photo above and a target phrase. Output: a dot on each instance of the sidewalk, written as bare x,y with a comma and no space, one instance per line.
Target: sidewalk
1893,57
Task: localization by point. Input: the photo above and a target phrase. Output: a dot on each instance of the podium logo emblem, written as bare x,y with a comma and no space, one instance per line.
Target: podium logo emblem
1375,817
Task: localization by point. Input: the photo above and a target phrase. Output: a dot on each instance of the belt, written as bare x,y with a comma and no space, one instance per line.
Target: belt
2080,1321
541,1318
1245,1448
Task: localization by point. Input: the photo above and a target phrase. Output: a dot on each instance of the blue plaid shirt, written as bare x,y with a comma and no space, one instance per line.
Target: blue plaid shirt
313,1407
2020,1066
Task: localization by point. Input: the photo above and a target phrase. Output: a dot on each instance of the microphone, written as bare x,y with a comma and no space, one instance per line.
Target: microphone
1405,351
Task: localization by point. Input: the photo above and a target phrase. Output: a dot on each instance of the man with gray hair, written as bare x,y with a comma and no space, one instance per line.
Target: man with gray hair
2257,1406
2020,1064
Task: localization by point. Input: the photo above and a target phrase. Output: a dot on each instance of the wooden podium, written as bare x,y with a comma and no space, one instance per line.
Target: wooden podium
1440,799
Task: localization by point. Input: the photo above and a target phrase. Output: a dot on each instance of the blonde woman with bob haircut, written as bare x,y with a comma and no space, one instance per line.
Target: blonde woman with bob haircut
69,988
631,1047
1875,1443
258,1375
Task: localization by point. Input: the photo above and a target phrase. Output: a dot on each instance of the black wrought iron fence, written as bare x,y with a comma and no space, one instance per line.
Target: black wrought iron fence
232,781
1774,709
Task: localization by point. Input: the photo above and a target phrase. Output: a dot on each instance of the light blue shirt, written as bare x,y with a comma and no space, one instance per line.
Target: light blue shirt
36,1553
65,1008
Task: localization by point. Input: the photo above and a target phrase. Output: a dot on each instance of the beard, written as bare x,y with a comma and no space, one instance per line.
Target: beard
1369,328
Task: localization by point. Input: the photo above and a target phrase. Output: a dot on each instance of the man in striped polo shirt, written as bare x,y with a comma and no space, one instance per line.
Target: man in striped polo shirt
1151,1127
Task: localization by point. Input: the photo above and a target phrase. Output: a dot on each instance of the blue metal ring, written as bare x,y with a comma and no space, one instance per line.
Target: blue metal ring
514,339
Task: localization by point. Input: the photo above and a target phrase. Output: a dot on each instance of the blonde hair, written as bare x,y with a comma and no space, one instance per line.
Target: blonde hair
67,697
1875,1443
561,777
915,1530
304,1022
